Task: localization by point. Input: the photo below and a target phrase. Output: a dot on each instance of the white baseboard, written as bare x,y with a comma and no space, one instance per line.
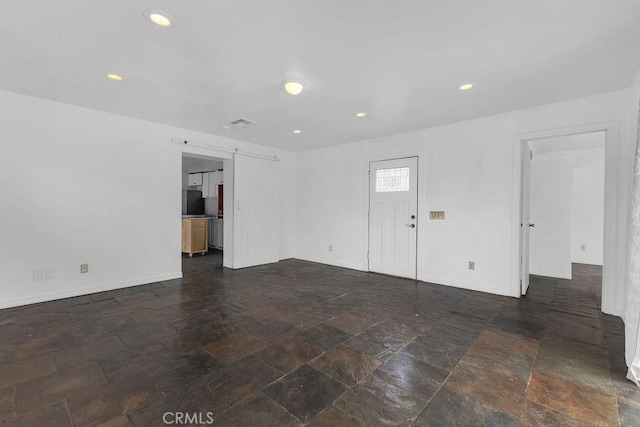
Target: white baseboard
86,291
330,262
468,286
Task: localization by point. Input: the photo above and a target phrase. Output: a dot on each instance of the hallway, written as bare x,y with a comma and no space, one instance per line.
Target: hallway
298,343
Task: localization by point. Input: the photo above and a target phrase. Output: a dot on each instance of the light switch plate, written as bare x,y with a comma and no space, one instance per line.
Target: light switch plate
436,215
84,268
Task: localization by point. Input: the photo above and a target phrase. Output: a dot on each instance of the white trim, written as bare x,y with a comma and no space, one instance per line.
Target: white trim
611,265
87,291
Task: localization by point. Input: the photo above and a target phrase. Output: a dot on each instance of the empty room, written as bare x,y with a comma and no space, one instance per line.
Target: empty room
320,213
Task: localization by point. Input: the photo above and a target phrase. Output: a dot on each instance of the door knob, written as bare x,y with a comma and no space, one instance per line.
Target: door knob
411,225
413,217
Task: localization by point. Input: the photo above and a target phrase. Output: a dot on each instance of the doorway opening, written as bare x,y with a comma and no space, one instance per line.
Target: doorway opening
562,206
203,189
393,217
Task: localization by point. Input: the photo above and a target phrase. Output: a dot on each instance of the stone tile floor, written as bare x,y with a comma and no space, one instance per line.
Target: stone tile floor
298,343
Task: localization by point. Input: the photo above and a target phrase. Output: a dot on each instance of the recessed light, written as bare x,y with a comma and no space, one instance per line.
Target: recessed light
466,86
116,77
361,114
159,18
297,131
293,85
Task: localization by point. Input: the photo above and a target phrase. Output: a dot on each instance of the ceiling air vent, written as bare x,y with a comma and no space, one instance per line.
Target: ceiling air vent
242,123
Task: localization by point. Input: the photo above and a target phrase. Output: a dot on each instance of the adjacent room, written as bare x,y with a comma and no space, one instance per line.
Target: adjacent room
320,213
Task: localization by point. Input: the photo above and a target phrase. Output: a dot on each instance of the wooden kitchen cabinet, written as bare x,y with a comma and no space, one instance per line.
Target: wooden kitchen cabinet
195,233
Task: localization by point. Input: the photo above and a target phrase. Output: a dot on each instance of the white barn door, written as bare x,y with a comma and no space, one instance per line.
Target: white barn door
255,204
393,212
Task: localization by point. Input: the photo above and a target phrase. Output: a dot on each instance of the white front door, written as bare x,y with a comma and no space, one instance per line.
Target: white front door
393,216
525,217
255,203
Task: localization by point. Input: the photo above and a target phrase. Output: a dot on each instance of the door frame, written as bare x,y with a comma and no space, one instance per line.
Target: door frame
227,160
611,268
367,203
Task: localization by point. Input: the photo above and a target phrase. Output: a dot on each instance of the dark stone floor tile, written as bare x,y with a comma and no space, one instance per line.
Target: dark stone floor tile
7,403
574,370
306,318
449,408
165,301
107,402
567,348
323,337
377,341
235,346
451,334
535,415
305,392
288,354
8,352
132,360
239,380
85,352
54,415
375,402
48,343
412,374
146,334
435,353
502,392
274,330
23,370
190,339
333,417
107,326
351,323
258,410
520,327
345,364
573,399
172,372
193,398
629,412
60,385
135,298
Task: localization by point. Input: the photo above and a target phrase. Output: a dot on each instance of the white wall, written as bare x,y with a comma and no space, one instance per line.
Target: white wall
587,208
83,186
466,169
550,211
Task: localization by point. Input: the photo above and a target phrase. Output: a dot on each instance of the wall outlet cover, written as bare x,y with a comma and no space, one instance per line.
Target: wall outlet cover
583,247
472,265
436,215
84,268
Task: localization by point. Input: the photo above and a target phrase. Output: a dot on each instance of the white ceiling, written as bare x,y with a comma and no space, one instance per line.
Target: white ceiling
568,143
400,61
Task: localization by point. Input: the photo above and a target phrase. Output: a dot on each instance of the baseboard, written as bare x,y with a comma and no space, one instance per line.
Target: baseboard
468,286
328,262
86,291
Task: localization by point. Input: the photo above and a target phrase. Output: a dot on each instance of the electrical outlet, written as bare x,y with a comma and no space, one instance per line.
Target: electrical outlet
583,247
472,265
436,215
330,248
50,273
84,268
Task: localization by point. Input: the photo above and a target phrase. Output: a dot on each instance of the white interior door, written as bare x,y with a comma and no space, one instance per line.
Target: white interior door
525,203
255,203
393,224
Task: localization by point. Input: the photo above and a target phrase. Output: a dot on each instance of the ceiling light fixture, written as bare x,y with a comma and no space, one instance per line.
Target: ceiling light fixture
293,85
159,18
297,131
361,114
466,86
116,77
